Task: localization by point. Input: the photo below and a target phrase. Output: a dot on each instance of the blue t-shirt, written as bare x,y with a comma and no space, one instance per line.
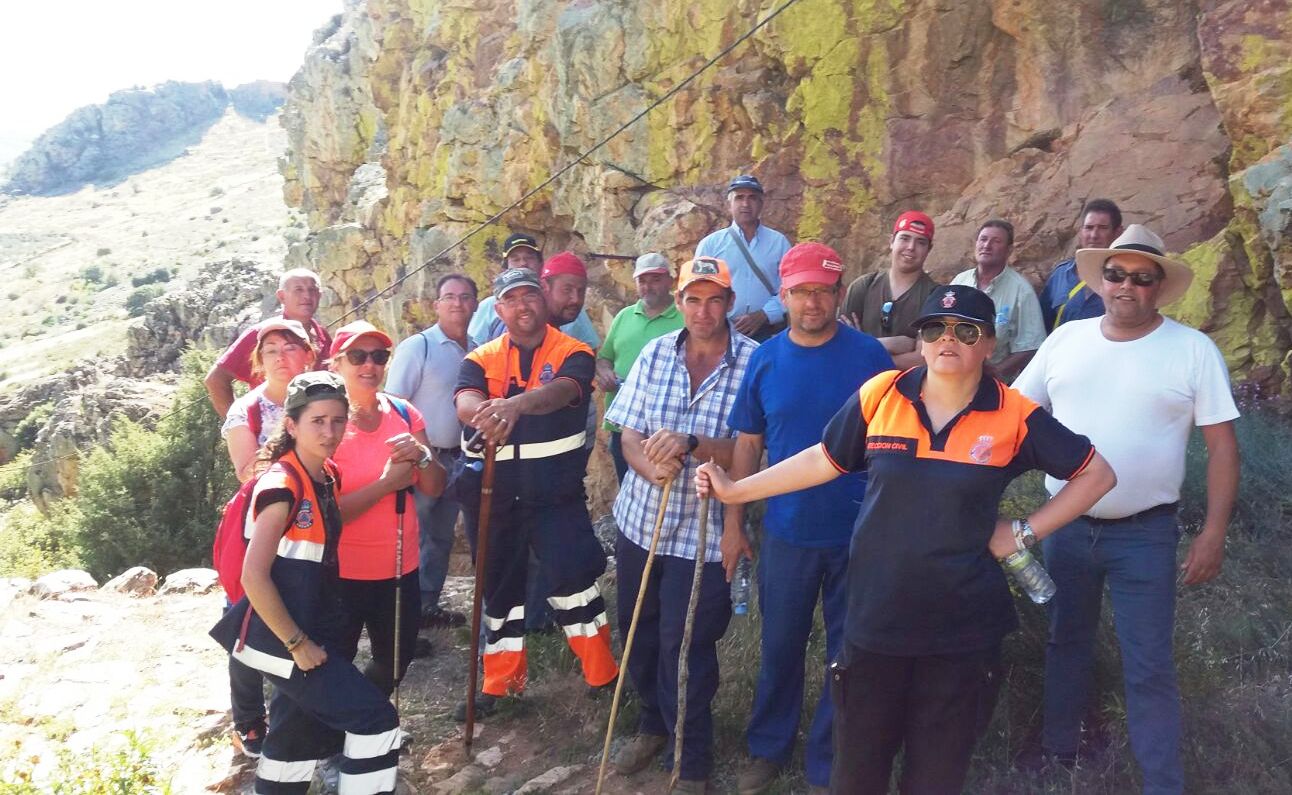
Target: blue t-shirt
789,394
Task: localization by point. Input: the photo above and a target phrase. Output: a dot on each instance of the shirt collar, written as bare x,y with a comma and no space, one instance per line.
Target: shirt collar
987,398
639,308
736,228
729,357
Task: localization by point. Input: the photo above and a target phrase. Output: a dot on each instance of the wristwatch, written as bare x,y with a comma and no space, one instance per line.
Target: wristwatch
692,442
1024,536
426,459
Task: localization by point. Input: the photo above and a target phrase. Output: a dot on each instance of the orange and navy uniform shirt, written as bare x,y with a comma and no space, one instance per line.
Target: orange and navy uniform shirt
544,458
304,571
921,580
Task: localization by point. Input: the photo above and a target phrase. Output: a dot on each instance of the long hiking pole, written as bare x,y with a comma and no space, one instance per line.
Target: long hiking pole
477,599
401,500
684,654
632,631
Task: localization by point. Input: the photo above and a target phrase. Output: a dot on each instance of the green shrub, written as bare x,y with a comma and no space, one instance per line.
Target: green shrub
32,544
25,432
137,300
92,274
13,477
121,765
152,277
153,498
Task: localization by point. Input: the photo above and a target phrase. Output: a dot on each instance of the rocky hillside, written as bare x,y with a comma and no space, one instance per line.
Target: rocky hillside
413,120
135,129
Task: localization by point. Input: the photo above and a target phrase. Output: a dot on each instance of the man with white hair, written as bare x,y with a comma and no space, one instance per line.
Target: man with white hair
299,291
1136,383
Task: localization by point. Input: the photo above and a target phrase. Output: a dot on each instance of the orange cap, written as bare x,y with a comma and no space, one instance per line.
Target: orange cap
709,269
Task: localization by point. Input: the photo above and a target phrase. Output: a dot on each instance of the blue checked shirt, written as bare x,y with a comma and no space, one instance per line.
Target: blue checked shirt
657,395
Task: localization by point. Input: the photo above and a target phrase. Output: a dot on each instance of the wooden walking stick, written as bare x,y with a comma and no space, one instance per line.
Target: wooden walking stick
632,631
401,499
683,657
482,549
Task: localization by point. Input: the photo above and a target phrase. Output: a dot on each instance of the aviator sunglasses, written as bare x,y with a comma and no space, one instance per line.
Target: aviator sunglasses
357,357
1117,275
966,333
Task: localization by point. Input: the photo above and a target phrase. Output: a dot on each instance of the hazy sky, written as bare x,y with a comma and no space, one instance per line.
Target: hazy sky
58,55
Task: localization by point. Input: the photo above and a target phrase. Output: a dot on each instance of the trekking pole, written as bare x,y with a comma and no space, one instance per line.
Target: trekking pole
401,498
482,549
683,658
632,631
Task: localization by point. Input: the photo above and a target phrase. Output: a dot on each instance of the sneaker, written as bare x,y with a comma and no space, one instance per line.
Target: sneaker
486,705
692,785
637,754
438,618
756,776
251,742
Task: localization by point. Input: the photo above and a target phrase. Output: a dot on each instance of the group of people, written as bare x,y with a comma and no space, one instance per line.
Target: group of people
892,415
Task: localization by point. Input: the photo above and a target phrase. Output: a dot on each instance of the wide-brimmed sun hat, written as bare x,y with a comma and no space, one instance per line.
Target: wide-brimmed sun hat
1137,239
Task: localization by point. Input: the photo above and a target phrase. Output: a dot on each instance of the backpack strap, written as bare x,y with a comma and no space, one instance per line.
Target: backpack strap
254,419
749,258
401,407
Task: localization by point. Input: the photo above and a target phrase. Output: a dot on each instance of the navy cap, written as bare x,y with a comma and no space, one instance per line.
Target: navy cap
519,240
745,181
959,301
512,278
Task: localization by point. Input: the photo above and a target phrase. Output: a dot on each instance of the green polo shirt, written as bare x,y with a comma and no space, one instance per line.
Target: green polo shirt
629,332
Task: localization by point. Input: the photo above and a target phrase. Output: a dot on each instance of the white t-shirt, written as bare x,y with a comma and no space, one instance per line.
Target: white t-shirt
1136,400
270,414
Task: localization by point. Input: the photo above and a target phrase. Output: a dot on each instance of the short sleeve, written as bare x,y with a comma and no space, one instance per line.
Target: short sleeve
1031,382
404,376
236,359
1049,446
844,438
478,328
1031,327
237,416
629,407
416,422
273,486
747,413
471,376
1213,398
579,367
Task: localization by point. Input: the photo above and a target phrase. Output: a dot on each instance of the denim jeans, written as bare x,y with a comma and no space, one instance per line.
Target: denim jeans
1136,558
436,519
791,579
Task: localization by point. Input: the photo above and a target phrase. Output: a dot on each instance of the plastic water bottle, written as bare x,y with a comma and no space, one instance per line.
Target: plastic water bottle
1030,576
740,587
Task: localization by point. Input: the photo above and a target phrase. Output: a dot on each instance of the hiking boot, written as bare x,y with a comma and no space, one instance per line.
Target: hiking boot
438,618
250,742
486,705
637,754
692,786
756,776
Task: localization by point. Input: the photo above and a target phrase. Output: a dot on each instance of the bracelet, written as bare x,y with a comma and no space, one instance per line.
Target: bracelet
295,640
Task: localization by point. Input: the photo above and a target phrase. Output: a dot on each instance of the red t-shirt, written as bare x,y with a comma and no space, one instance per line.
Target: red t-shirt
367,548
237,357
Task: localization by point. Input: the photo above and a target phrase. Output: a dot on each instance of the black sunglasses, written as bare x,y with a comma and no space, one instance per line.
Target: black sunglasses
357,358
1117,275
886,317
964,332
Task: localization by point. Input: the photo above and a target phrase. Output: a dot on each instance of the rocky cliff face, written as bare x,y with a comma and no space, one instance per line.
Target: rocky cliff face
413,120
134,129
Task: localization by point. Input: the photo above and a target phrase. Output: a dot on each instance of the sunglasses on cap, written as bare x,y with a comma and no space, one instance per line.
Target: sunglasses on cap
964,332
358,357
1117,275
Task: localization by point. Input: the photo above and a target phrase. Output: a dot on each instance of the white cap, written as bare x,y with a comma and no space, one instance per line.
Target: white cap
651,263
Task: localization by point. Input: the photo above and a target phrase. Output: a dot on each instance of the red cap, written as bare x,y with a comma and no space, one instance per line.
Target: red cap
347,334
811,263
915,222
565,262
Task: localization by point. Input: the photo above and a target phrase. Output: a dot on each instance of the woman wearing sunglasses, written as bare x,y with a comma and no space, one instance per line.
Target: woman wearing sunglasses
384,450
928,604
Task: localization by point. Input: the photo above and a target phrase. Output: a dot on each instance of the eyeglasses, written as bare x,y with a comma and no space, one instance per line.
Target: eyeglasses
457,298
805,294
358,357
1117,275
886,317
530,297
965,333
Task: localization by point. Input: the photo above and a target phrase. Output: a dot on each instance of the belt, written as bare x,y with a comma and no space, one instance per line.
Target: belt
1166,509
531,450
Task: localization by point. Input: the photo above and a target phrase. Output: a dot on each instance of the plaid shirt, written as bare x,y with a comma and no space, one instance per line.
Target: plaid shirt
657,395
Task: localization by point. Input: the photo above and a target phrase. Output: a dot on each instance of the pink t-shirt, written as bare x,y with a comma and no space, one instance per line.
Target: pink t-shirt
367,548
237,357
